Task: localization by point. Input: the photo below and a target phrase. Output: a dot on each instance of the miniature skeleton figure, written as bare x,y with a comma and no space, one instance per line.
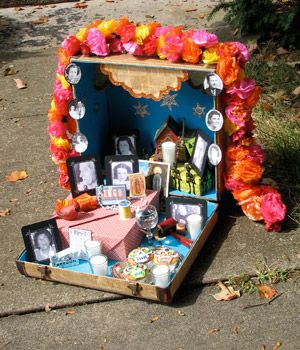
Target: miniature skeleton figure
190,178
176,176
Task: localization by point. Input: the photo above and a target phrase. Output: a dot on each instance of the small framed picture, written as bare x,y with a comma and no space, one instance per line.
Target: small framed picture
200,152
212,84
137,185
157,175
80,142
76,109
72,73
111,195
85,174
214,154
125,145
179,208
41,240
117,169
214,120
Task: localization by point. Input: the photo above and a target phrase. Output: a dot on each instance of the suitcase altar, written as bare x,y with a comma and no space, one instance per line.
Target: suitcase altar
123,94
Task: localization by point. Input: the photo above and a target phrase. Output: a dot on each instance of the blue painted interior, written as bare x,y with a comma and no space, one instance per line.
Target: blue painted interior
169,241
112,109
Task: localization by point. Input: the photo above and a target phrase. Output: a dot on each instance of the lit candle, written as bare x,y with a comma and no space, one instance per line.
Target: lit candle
194,225
161,275
92,248
99,264
169,152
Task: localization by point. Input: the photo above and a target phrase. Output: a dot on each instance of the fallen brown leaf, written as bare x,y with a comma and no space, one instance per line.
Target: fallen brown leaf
110,0
20,84
19,9
13,200
4,212
10,71
267,107
226,293
16,175
191,10
154,319
28,191
181,313
213,330
298,255
281,51
277,345
252,47
41,20
297,91
70,312
47,308
149,16
81,5
202,15
235,329
265,291
263,347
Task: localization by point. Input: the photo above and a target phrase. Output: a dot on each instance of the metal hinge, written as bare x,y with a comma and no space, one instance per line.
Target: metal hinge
135,288
44,270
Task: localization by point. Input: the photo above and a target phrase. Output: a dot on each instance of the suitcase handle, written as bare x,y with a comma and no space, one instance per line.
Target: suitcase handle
44,270
135,288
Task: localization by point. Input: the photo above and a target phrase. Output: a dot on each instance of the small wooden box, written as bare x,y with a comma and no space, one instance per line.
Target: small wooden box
125,92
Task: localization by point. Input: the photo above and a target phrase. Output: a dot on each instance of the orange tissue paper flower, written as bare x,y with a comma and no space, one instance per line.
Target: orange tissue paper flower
63,57
252,208
247,171
237,152
228,69
247,192
123,21
94,24
191,51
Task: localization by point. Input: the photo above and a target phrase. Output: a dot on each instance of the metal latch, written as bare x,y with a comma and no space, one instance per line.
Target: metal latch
135,288
44,270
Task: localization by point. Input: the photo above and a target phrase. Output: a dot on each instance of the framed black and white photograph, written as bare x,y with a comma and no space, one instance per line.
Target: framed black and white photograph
212,84
125,145
80,142
200,152
76,109
117,169
214,154
72,73
41,240
179,208
85,174
214,120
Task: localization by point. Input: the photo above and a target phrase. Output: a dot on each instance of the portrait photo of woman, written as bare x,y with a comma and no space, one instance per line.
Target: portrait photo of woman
120,173
76,109
72,73
214,154
86,175
43,244
125,145
79,142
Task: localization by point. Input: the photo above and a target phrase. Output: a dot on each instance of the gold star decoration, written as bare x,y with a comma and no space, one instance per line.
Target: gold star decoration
169,101
141,110
198,110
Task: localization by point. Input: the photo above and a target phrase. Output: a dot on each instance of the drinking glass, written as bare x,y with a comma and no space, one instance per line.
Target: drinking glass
147,219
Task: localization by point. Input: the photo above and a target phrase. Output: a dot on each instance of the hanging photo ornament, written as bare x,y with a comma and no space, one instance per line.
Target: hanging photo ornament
72,73
76,109
214,120
79,142
214,154
212,84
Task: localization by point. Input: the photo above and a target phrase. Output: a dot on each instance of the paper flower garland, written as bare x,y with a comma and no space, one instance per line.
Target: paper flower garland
244,158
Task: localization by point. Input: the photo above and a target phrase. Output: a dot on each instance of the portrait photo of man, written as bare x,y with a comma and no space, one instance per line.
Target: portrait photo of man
214,154
214,120
212,84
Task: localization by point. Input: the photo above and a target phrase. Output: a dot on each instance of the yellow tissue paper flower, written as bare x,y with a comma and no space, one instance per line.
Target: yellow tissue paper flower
210,56
82,34
63,81
141,33
160,44
229,127
107,27
59,142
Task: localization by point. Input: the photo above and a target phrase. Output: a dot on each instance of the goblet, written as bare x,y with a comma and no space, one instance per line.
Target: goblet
147,219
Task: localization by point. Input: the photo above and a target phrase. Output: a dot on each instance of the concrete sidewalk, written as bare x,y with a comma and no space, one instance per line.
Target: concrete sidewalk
112,322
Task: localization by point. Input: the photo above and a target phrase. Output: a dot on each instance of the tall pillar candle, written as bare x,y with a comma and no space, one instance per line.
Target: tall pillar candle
169,152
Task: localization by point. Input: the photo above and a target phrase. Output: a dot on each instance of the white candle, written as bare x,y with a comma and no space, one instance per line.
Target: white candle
194,225
161,275
92,248
169,152
99,264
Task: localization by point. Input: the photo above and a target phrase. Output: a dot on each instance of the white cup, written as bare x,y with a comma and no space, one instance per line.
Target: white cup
92,248
194,225
160,275
99,264
169,152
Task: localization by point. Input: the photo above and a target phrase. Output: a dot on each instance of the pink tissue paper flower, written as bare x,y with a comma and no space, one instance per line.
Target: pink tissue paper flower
133,48
242,88
273,211
97,43
205,39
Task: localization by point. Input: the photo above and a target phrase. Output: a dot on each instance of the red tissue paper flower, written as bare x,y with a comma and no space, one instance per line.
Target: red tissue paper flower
72,45
273,211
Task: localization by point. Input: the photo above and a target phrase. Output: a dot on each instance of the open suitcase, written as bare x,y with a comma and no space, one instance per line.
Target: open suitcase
131,93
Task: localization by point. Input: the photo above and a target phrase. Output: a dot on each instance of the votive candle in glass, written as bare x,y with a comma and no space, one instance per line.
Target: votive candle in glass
160,275
92,248
99,264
